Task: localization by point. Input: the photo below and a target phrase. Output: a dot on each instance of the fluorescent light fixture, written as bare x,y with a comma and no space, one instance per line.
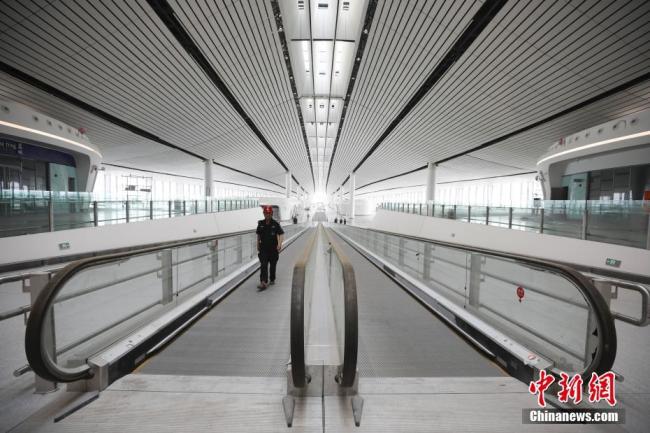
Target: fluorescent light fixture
598,143
47,134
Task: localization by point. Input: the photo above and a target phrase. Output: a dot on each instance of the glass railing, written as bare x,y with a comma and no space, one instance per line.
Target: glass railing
622,223
547,315
93,303
37,213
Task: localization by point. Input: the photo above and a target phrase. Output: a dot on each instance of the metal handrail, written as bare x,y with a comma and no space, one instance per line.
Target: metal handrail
644,320
38,357
351,339
297,331
602,360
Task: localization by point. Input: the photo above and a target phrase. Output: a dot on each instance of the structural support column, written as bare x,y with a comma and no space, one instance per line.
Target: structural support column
209,180
288,184
430,192
352,186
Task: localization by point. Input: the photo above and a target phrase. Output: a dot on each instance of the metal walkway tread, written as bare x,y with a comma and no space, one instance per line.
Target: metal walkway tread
400,338
247,334
168,403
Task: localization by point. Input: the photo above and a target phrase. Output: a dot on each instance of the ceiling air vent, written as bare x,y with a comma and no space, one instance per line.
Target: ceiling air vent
301,5
346,6
323,5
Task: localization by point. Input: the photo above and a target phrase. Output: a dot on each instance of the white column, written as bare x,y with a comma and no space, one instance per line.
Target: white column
430,192
208,179
352,186
288,184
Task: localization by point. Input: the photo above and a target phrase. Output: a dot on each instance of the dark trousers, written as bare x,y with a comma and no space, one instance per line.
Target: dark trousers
267,258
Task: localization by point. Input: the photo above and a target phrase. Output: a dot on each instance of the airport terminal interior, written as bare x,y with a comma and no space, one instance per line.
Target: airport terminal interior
324,216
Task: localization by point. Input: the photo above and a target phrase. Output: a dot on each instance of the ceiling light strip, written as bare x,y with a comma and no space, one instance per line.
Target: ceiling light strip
287,60
596,144
367,24
47,134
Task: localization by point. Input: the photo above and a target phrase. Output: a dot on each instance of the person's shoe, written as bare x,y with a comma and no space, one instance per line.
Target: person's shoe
272,282
261,285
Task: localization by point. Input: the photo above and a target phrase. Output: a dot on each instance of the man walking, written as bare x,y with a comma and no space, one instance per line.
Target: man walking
269,243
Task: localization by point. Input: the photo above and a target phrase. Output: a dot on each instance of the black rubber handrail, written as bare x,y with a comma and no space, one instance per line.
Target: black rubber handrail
351,344
37,355
603,359
297,331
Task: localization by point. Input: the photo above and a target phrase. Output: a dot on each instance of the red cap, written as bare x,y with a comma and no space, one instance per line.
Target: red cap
267,209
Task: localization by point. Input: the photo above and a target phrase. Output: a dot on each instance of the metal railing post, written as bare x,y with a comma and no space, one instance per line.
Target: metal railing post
541,221
167,276
95,216
475,280
426,265
196,206
509,217
583,234
184,209
647,236
214,259
34,285
206,206
400,255
150,209
240,248
50,215
127,211
169,208
487,215
469,214
443,211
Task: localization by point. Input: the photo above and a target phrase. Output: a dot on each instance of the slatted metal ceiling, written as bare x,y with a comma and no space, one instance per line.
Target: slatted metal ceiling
534,59
406,41
240,40
520,153
120,58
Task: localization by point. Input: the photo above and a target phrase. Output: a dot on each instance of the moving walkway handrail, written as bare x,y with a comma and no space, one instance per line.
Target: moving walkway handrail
603,360
37,354
348,369
351,338
297,319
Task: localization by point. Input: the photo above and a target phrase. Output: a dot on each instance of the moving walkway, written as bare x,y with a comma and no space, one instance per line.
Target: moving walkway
367,310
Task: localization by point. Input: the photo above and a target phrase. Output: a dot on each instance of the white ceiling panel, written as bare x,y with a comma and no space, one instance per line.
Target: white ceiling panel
323,18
